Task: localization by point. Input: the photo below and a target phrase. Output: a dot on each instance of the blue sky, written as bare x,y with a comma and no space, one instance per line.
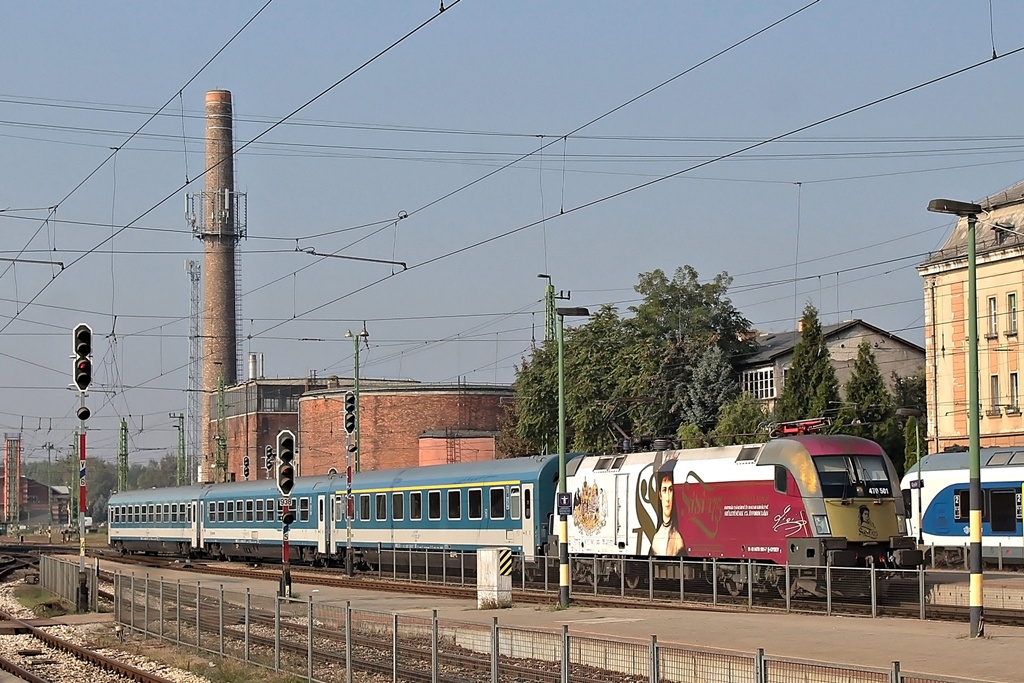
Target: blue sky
839,206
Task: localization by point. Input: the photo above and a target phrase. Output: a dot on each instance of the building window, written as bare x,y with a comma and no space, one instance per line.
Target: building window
993,319
1011,314
760,383
1014,394
994,386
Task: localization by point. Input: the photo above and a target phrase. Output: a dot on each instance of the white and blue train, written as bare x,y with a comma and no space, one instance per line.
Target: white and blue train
450,507
941,489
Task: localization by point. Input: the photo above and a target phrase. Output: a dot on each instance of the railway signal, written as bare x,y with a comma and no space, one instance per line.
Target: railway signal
350,412
269,458
285,461
82,345
245,467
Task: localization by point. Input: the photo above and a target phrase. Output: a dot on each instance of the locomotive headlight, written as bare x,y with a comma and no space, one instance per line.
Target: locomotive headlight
901,523
821,527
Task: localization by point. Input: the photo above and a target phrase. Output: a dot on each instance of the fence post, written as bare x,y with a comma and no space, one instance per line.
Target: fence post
594,571
177,609
220,619
682,579
622,577
132,605
410,567
933,556
494,650
462,570
145,610
394,645
650,579
653,667
245,617
920,588
760,667
789,596
309,639
161,611
1000,557
894,673
874,590
828,588
433,647
199,621
277,633
565,653
348,641
714,581
750,584
426,566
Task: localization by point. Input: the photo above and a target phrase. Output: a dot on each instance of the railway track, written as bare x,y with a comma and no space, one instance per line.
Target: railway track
62,660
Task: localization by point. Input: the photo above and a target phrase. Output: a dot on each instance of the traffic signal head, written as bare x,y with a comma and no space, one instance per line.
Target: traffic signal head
288,517
81,339
350,412
285,462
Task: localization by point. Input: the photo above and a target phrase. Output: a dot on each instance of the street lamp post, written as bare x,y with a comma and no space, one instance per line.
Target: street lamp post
563,520
970,212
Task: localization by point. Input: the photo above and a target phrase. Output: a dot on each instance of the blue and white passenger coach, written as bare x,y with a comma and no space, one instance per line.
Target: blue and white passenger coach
456,507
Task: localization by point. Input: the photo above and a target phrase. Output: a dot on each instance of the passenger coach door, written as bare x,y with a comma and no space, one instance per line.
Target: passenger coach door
529,518
323,525
196,537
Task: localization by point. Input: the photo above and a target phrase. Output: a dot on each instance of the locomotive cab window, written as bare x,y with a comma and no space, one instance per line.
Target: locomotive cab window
416,506
434,505
781,478
497,503
398,506
381,505
602,464
515,503
853,476
454,504
476,503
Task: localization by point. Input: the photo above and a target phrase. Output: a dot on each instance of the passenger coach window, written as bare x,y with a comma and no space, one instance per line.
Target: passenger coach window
167,514
338,507
231,511
514,503
259,510
434,505
382,506
364,507
476,503
271,510
497,503
398,506
220,511
248,510
303,509
416,506
454,504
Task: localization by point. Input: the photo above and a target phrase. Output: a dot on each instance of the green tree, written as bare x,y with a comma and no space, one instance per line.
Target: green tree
711,386
913,442
742,420
868,410
811,388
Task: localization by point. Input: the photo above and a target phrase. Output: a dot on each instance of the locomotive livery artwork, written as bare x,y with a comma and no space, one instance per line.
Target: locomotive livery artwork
806,501
941,487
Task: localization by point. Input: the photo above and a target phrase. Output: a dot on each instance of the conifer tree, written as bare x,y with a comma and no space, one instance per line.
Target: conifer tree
811,388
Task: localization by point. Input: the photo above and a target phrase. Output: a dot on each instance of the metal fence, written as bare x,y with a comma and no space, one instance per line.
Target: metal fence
61,577
330,643
873,591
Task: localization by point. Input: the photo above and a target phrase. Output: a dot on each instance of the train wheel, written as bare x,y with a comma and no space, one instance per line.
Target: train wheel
633,580
732,587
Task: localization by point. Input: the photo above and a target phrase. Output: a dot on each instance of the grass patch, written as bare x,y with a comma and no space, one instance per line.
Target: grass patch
42,602
223,670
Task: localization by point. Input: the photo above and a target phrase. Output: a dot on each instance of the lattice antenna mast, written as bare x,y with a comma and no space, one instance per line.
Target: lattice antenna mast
122,457
193,406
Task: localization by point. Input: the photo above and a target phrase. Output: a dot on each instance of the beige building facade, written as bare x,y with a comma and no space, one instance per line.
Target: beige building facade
999,258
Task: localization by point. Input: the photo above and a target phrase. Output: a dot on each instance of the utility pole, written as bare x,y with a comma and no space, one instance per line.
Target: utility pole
49,483
182,468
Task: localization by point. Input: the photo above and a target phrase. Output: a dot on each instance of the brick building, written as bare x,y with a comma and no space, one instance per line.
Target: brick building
401,426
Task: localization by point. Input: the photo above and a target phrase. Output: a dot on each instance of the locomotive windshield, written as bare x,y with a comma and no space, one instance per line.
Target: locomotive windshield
853,476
